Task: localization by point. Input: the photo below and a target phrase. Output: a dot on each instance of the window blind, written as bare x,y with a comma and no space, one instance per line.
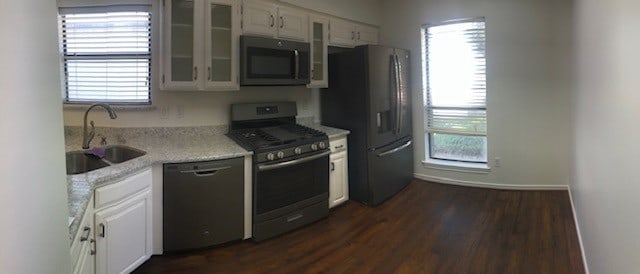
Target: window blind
455,85
106,53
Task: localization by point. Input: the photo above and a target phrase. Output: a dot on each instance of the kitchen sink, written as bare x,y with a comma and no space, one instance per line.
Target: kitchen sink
119,153
78,162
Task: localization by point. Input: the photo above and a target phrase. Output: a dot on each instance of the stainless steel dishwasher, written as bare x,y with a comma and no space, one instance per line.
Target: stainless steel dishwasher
203,204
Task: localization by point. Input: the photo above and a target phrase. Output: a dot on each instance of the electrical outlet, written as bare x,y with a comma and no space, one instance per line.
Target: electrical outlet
164,112
497,162
180,112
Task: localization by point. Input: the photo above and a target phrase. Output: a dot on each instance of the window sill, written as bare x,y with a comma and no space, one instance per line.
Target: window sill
481,168
83,107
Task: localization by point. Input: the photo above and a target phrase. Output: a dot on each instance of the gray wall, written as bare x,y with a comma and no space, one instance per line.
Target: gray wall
528,82
33,186
607,133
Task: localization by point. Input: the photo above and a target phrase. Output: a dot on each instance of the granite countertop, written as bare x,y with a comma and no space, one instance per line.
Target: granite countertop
163,145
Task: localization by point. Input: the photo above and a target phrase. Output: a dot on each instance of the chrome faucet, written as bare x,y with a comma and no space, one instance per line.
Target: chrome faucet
88,136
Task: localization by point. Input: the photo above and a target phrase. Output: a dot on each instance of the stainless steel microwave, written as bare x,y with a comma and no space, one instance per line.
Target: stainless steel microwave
273,62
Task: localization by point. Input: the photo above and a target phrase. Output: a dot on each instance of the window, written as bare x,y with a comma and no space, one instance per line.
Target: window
106,54
454,77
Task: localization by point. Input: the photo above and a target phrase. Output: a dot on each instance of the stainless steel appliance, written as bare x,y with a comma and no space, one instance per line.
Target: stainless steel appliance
268,61
203,204
290,167
368,94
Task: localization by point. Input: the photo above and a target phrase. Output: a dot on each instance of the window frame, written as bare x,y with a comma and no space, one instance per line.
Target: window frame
427,108
76,7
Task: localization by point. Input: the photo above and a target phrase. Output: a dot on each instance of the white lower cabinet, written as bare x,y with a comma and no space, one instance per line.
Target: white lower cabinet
338,172
84,244
87,262
123,224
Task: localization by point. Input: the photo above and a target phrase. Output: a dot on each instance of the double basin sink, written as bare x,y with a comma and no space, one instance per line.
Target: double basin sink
81,162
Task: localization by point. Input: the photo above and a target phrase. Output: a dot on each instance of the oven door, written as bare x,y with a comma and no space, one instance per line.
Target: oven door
266,61
286,186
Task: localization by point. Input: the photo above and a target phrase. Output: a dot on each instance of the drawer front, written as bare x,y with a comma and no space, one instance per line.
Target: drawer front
115,192
338,144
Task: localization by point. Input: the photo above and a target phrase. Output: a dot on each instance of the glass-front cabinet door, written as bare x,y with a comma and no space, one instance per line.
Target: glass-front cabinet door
221,44
319,34
181,52
200,50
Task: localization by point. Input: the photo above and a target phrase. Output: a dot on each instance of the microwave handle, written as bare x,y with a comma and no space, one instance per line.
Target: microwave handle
297,64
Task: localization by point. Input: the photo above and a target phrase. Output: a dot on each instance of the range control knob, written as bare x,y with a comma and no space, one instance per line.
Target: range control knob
322,145
280,154
297,151
271,156
314,147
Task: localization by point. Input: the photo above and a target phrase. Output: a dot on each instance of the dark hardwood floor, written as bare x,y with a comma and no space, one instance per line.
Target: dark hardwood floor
427,228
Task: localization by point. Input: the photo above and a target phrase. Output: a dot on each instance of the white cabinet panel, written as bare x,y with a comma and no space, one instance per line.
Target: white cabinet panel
366,35
199,45
269,20
87,260
292,24
342,33
83,245
338,172
258,18
319,40
124,235
345,33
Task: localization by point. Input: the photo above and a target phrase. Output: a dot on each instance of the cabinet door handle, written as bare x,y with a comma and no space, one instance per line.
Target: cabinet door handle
195,73
209,73
353,35
281,22
358,35
339,147
84,236
93,248
272,21
102,230
333,166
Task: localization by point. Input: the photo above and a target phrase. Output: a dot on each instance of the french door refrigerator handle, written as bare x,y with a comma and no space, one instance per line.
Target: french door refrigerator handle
400,94
408,143
396,78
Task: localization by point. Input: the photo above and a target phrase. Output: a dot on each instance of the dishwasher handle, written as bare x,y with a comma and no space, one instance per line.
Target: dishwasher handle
205,172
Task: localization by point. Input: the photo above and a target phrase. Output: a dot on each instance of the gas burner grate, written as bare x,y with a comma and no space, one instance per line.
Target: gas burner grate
255,138
303,131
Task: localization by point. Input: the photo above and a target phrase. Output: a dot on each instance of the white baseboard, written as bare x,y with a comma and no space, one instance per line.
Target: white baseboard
577,224
450,181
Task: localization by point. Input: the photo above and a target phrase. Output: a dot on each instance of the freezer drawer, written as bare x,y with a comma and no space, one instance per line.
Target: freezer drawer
390,170
203,204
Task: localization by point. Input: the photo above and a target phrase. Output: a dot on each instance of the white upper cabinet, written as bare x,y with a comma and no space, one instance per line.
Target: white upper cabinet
270,20
366,35
341,33
319,39
293,23
200,45
345,33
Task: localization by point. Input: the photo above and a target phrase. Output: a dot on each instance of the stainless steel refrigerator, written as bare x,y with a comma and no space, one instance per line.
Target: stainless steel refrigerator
368,94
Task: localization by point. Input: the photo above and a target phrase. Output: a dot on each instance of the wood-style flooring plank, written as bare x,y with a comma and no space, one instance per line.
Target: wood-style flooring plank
426,228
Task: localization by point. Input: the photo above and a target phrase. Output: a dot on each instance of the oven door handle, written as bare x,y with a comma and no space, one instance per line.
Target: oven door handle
265,167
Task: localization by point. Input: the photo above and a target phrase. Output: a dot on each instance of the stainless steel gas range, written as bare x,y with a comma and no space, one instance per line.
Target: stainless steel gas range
290,166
